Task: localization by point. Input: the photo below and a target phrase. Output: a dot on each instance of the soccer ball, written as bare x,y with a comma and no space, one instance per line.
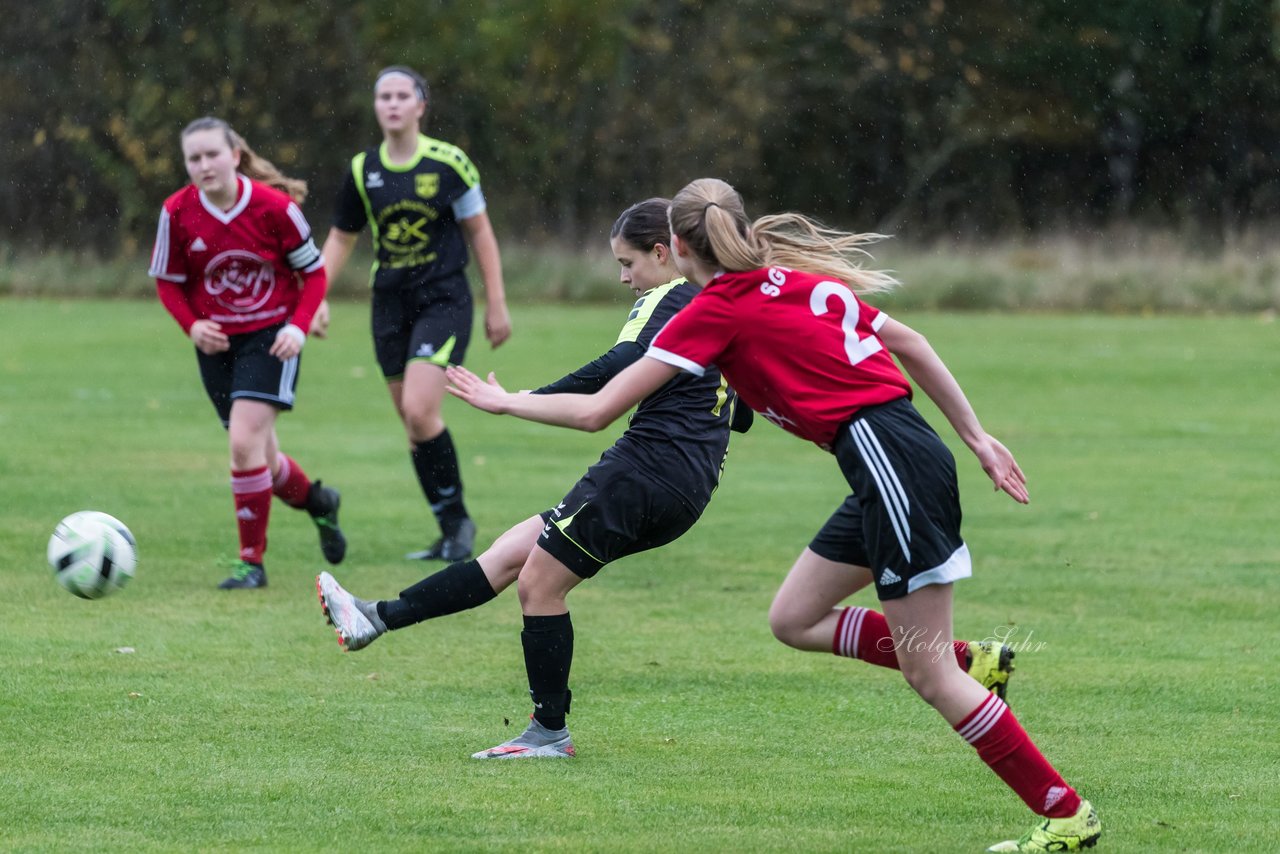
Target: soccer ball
92,554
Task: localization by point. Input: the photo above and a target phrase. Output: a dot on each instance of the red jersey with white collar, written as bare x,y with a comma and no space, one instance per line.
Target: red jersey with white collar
800,349
239,267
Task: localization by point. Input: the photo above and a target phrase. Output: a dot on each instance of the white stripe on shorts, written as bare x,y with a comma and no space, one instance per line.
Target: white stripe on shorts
895,497
287,375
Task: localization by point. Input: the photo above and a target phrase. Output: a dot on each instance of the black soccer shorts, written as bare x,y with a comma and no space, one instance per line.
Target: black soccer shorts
903,518
247,369
612,512
430,322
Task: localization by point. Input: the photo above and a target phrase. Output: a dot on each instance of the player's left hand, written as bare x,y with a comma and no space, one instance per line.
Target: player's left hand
320,320
288,343
497,324
998,462
488,396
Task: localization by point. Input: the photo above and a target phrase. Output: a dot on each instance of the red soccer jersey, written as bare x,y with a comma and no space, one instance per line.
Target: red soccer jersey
238,267
800,349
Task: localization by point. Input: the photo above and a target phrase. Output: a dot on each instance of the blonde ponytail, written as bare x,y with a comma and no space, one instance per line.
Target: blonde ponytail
708,215
797,242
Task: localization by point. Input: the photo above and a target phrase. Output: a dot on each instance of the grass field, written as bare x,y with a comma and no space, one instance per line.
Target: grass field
1141,584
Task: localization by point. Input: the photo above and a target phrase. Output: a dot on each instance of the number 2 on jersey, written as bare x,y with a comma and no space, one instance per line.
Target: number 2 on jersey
856,348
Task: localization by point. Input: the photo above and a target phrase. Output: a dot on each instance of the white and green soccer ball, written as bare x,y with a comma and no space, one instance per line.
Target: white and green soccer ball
92,554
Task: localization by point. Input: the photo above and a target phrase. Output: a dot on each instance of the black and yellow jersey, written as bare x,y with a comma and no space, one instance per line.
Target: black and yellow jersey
413,209
679,435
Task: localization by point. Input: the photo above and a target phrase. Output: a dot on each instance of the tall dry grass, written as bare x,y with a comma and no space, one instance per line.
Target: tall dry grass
1139,272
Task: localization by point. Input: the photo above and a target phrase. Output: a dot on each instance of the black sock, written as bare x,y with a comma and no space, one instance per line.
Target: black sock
436,463
455,588
548,652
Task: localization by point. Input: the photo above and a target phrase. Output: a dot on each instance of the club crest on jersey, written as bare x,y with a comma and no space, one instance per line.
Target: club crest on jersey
240,281
426,185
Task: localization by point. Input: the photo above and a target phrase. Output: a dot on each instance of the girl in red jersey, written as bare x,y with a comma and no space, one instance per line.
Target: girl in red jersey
779,316
235,264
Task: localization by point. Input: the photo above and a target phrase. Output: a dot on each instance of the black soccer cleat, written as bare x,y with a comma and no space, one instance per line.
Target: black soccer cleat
323,503
247,576
452,547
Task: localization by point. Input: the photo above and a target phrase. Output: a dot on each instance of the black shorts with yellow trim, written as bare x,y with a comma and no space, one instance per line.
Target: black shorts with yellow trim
429,322
613,511
903,518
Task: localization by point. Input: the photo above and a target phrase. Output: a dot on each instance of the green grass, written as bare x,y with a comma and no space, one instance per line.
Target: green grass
1141,581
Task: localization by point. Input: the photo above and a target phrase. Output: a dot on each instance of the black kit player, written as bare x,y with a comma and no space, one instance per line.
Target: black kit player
421,198
645,491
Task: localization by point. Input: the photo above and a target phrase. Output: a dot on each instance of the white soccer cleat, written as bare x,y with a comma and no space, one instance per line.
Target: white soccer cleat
536,742
354,629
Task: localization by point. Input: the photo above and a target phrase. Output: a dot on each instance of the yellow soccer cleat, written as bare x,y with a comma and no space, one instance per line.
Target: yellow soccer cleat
992,665
1058,834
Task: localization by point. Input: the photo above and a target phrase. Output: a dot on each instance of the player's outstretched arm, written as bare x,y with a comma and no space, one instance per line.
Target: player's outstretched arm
928,371
589,412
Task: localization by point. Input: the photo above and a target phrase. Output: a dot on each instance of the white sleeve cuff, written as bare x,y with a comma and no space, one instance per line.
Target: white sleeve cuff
676,361
295,333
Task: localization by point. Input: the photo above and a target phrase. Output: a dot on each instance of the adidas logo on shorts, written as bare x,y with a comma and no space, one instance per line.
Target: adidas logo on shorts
889,577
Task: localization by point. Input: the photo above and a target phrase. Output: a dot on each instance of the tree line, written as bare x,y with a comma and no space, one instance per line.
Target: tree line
920,117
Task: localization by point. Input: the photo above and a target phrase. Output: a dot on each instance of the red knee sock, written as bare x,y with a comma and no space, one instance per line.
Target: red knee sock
863,633
291,483
252,492
1004,745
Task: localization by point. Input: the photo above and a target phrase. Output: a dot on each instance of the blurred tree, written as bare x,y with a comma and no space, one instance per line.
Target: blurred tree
919,116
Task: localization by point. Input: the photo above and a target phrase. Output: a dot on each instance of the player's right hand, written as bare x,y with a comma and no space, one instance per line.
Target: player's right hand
489,396
209,338
1005,473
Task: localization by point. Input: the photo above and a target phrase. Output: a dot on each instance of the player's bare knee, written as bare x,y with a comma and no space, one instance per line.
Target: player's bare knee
423,427
246,451
925,681
501,573
527,591
785,627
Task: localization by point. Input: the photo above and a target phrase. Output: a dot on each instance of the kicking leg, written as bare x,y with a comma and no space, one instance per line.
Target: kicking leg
457,587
